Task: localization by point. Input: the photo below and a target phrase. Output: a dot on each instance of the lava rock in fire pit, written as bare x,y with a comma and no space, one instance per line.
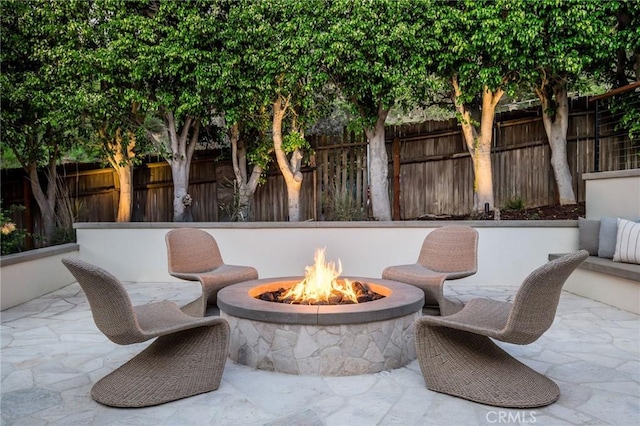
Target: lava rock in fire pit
362,291
271,296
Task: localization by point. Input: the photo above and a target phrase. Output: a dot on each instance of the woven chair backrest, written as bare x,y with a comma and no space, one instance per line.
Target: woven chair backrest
535,304
109,301
191,250
451,248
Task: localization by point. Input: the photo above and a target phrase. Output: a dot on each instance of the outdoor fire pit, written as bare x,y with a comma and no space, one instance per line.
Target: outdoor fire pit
321,339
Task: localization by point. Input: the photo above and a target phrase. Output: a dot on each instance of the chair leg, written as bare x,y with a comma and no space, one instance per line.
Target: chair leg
449,307
434,299
196,308
174,366
473,367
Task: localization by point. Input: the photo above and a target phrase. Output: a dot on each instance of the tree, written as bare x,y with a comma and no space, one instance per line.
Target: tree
245,183
174,47
483,42
41,97
627,67
377,53
113,112
274,46
247,121
572,36
627,41
118,146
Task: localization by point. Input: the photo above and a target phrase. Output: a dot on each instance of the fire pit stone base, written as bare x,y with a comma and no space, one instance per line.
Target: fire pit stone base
321,340
323,350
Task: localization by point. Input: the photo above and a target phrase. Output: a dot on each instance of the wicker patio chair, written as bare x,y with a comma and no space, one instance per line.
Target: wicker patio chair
458,357
186,359
448,253
194,255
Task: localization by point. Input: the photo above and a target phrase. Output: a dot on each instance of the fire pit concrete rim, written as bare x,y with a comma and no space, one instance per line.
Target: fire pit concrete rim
402,299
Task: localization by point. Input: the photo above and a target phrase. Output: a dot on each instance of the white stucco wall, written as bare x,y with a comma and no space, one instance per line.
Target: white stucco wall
615,194
25,276
508,251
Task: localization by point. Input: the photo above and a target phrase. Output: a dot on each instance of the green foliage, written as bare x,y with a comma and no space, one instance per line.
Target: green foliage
570,40
333,115
42,98
68,211
255,133
294,140
341,205
42,94
625,44
515,203
234,207
485,43
8,159
533,216
81,153
260,155
150,58
72,69
380,53
627,107
631,121
271,51
13,238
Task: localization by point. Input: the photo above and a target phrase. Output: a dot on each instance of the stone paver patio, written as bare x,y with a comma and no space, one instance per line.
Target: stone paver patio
52,353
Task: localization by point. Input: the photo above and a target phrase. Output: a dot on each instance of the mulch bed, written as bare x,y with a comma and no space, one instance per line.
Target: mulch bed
553,212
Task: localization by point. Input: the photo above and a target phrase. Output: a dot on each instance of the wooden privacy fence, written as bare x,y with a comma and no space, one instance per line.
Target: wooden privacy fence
430,172
337,167
436,172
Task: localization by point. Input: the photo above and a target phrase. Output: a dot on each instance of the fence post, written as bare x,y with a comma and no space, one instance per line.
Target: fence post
596,144
28,212
396,178
314,177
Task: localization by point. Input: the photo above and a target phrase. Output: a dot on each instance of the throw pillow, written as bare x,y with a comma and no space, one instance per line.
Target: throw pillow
607,237
588,235
627,242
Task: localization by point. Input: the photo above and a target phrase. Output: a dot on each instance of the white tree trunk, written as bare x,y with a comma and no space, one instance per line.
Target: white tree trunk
290,169
556,123
478,143
46,201
246,187
293,201
379,168
483,194
121,159
125,179
181,147
180,175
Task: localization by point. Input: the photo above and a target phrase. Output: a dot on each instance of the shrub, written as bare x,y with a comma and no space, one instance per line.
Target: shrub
233,206
341,205
515,203
13,238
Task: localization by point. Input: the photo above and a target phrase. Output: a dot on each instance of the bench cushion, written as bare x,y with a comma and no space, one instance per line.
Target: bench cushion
588,235
627,242
607,237
628,271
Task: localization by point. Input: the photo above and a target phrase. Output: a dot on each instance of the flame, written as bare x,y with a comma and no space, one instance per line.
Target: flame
321,284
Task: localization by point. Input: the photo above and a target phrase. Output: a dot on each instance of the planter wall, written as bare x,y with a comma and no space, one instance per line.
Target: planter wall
34,273
508,250
615,194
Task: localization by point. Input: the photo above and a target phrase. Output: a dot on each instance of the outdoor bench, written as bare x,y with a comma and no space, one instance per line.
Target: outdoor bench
602,279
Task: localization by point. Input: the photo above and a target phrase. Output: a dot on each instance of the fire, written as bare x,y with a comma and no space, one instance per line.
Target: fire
321,284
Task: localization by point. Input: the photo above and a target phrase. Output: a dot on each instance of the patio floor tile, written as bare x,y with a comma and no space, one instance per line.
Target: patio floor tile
52,353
